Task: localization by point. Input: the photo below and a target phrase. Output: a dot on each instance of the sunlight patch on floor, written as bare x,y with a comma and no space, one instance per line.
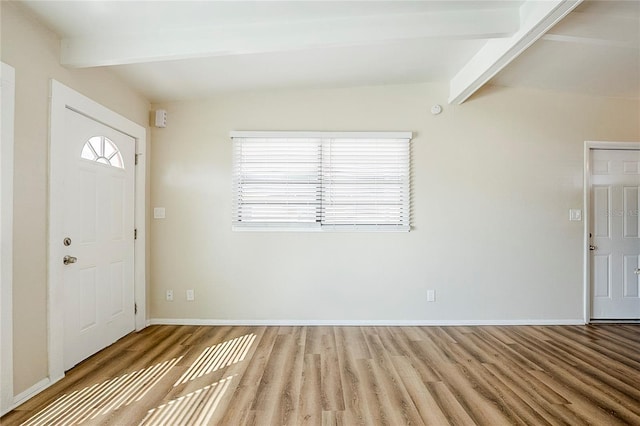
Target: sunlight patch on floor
195,408
102,398
218,356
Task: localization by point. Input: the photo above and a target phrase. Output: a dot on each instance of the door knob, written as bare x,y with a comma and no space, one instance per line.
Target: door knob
637,271
69,259
592,247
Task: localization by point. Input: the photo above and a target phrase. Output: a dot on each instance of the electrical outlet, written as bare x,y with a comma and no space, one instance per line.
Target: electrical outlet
190,296
431,295
169,295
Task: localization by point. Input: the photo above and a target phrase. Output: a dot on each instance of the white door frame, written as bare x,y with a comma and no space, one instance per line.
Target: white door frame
7,88
63,98
588,147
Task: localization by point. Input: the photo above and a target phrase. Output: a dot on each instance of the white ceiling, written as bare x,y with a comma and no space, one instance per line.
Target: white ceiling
184,50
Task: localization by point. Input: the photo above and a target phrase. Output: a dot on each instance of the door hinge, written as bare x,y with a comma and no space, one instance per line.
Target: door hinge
135,234
136,161
135,308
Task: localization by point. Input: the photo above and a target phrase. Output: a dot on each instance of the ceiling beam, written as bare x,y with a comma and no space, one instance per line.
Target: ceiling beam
615,31
118,49
590,41
536,18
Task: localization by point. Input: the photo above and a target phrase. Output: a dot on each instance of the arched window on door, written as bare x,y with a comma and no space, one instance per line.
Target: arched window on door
102,150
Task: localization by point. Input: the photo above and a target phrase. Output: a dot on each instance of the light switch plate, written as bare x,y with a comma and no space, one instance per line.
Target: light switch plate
575,215
431,295
158,213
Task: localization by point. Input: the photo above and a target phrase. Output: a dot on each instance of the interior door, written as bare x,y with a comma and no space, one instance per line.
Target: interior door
98,225
614,234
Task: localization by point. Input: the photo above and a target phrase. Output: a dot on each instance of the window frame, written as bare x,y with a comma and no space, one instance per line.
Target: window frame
324,138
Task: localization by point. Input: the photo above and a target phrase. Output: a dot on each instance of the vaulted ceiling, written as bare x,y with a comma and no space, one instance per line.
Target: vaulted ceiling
176,50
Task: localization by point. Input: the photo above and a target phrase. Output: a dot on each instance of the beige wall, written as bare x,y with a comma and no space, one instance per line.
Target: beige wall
493,181
34,53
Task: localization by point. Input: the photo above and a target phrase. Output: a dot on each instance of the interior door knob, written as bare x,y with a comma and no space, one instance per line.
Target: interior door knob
69,259
637,271
592,247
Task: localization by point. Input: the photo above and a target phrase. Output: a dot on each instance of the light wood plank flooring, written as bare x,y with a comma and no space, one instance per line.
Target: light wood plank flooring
191,375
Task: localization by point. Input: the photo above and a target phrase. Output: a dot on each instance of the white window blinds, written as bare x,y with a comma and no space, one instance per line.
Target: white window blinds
321,180
365,182
277,181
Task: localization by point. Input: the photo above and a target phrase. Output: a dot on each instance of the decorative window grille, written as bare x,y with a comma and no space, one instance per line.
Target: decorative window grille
102,150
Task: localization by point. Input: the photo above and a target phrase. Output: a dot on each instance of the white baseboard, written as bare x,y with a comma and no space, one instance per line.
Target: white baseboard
396,323
29,393
34,390
614,321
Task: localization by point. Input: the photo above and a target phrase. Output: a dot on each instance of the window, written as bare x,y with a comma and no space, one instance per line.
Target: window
321,180
102,150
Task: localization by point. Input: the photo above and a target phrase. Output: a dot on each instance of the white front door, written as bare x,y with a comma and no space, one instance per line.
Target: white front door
615,234
98,244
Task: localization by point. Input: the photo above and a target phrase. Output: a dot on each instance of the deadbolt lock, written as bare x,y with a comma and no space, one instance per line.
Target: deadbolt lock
66,241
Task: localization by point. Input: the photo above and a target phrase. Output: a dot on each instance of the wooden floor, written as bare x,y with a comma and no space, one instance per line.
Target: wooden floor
190,375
